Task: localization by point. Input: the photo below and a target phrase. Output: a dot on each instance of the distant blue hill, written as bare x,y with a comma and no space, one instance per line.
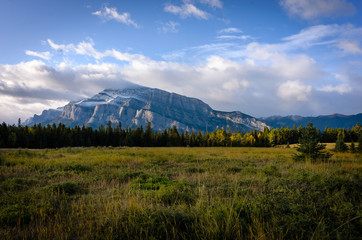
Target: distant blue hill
320,122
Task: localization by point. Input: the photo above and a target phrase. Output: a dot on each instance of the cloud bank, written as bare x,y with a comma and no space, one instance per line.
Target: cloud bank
256,78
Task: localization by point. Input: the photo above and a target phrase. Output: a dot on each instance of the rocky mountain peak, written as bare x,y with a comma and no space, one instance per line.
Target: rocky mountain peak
136,105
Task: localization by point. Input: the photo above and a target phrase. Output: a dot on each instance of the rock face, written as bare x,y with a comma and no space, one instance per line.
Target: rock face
46,117
136,106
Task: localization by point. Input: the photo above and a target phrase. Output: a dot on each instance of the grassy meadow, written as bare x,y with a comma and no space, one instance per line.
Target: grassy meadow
178,193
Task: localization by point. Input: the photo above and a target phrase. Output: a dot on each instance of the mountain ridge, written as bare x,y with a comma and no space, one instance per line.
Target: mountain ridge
335,120
137,105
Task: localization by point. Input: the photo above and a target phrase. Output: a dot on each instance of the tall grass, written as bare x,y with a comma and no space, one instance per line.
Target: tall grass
178,193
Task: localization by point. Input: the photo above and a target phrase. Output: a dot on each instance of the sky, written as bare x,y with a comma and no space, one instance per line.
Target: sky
260,57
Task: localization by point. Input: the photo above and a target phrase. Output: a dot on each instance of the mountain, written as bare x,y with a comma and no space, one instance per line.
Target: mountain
320,122
136,106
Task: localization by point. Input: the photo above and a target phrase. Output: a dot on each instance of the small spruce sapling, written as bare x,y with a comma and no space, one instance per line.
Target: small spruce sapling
352,148
340,145
359,148
310,148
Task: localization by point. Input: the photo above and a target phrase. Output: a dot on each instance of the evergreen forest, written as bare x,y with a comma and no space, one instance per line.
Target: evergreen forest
58,136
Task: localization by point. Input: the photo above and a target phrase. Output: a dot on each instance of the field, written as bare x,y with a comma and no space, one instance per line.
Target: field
178,193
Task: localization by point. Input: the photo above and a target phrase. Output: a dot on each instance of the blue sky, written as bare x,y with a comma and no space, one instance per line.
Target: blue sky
260,57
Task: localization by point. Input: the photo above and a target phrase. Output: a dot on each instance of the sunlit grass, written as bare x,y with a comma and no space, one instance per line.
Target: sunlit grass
178,193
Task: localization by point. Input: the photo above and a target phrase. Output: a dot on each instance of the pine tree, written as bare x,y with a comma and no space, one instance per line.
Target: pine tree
148,135
352,148
340,145
309,148
359,149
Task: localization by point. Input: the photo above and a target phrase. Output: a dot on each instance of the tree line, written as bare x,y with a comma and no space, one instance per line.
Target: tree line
57,136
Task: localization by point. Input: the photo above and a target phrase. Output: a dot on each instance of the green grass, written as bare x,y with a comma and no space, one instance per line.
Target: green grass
178,193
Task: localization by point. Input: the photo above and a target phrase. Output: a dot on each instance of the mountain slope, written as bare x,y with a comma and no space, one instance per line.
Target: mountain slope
135,106
320,122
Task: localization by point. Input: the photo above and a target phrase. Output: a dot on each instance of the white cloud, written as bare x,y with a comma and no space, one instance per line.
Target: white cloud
212,3
316,36
314,9
236,85
313,35
341,88
294,91
234,37
186,10
83,48
60,48
300,66
107,14
230,30
256,78
345,37
226,84
169,26
30,87
15,108
87,49
350,47
43,55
